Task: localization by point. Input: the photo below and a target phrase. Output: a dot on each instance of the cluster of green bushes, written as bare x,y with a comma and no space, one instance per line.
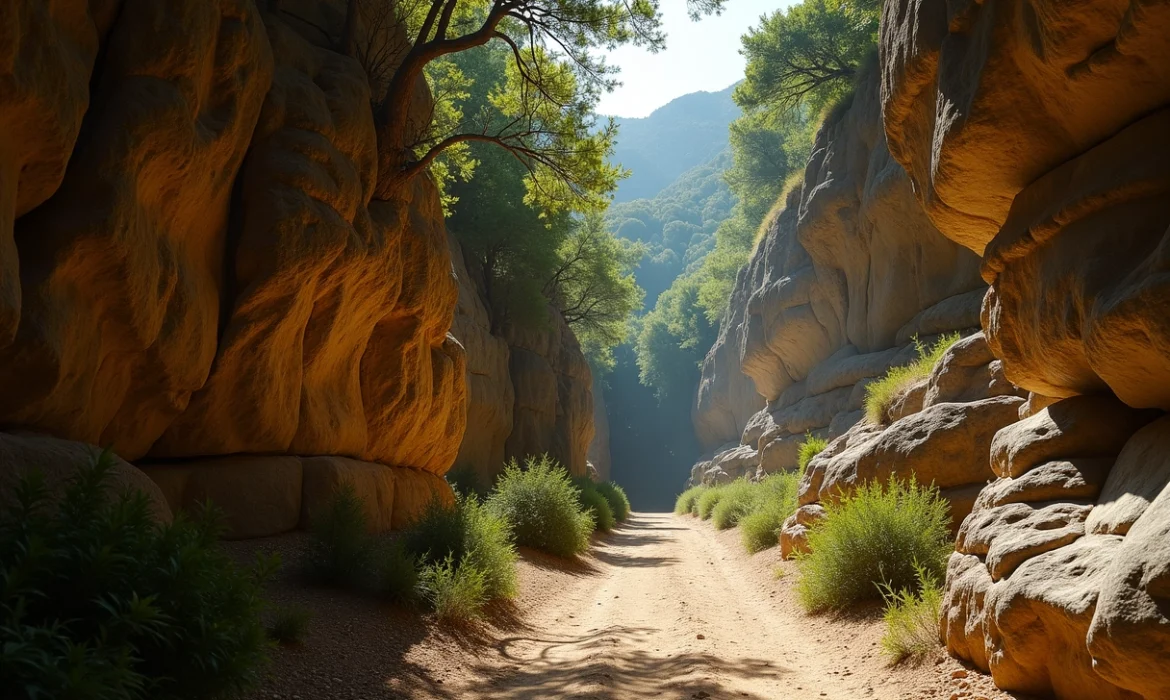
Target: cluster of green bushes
459,558
99,601
886,542
881,394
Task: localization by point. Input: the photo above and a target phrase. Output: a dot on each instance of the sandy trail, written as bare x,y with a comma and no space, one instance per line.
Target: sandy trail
667,612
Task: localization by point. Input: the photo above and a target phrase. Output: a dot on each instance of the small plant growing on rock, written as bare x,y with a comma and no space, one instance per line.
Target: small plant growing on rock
99,601
809,448
540,504
912,618
881,394
686,504
615,495
879,536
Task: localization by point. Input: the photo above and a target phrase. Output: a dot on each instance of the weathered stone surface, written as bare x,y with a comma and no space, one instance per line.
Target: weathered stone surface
1027,86
1075,479
794,532
963,627
1079,297
553,413
1082,426
967,372
780,454
259,496
1129,638
843,421
59,460
490,396
392,496
947,445
336,340
1008,535
908,401
121,268
1138,478
817,303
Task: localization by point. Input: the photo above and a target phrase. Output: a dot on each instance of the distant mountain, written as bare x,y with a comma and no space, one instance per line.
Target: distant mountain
685,132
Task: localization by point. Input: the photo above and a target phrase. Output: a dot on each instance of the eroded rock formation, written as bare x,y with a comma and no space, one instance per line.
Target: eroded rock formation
193,269
847,275
1038,135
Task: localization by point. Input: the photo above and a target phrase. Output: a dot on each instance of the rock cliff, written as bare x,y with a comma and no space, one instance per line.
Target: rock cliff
530,390
847,274
194,271
1038,136
1026,144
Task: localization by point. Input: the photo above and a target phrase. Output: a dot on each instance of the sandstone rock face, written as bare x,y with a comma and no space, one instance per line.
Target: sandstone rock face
1038,135
848,272
554,396
490,396
192,266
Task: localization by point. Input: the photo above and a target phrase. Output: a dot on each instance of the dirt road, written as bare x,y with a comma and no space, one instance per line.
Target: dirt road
669,608
665,607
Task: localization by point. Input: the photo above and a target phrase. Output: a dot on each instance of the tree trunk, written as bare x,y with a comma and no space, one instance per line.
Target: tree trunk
349,33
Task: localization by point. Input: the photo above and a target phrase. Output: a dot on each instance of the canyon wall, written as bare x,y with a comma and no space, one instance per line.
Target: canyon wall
847,275
194,271
1038,136
530,391
1004,172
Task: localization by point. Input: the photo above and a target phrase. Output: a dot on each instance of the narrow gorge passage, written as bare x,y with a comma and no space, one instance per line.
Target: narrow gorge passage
667,607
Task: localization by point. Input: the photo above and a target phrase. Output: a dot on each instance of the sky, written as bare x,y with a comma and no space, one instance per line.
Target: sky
701,55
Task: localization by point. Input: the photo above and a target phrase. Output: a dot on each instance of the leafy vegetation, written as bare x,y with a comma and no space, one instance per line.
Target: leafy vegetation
541,505
598,509
688,500
100,602
615,495
705,505
881,394
810,447
912,618
289,624
881,536
736,500
342,550
776,500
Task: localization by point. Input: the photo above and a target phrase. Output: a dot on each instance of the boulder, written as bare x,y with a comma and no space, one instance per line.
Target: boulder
1006,536
780,454
1082,426
947,444
58,461
1078,479
1138,478
794,531
967,372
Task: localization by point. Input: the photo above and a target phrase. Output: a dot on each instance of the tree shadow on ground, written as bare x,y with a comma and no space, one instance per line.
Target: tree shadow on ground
604,664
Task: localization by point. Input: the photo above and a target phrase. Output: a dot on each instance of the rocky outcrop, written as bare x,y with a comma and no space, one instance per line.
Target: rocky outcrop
815,314
530,389
1038,136
193,269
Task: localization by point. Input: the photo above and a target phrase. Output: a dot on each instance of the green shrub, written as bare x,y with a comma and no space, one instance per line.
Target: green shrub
912,619
615,495
342,549
466,481
707,501
463,547
876,536
760,529
289,624
592,502
736,500
539,502
686,502
457,593
97,601
397,574
881,394
811,447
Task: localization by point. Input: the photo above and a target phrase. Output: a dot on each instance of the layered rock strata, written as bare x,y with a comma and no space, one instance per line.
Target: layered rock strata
1038,136
194,272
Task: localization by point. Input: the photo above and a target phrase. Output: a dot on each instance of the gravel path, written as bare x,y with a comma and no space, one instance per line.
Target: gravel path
665,607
